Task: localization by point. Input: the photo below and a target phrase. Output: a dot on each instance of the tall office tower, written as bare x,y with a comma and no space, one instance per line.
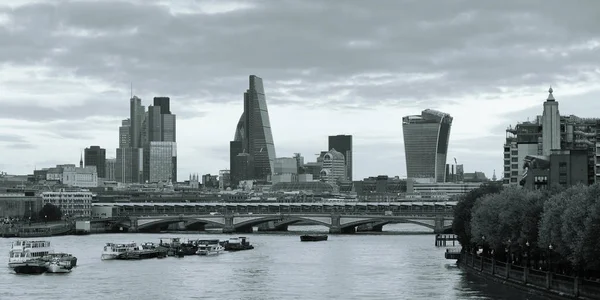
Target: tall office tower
136,115
96,156
125,134
550,125
235,148
334,167
129,162
163,161
426,138
343,144
254,130
160,127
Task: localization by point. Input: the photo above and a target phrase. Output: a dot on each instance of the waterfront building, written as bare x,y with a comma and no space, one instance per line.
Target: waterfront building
19,204
380,188
163,162
521,141
72,202
426,138
334,167
254,131
561,167
343,144
96,156
448,188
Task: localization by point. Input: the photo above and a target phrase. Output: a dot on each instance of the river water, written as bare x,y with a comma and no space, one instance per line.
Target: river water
382,266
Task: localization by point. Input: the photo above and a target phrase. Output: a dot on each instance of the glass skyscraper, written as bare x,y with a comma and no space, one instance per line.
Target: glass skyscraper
254,131
426,138
163,161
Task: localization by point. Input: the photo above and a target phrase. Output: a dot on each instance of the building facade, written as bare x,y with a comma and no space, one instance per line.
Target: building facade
426,138
163,162
74,203
343,144
334,167
110,168
254,131
96,156
86,177
20,205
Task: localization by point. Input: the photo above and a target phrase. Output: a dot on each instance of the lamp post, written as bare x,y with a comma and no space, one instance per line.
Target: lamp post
550,254
527,254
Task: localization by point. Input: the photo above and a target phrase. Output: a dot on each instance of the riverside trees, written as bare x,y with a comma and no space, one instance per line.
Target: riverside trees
556,227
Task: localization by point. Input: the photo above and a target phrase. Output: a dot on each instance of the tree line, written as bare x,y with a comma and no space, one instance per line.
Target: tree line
556,229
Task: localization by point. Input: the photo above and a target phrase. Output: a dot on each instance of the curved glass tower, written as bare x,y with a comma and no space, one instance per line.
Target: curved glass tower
426,138
253,133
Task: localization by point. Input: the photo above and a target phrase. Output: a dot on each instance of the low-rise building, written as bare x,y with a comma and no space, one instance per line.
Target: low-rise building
20,205
72,202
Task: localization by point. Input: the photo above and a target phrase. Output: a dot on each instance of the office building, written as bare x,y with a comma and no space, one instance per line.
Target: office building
163,162
110,168
343,144
426,138
254,131
72,202
160,126
334,167
96,156
19,204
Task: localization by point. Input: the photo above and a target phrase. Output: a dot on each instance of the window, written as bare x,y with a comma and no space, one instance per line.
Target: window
514,159
515,166
507,155
514,152
506,168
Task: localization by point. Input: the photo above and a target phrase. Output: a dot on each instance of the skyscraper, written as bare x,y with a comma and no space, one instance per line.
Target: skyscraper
160,127
426,138
163,162
96,156
343,144
129,164
254,131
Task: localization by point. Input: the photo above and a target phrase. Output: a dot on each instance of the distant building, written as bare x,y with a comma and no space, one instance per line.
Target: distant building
426,138
110,168
449,189
224,179
96,156
343,144
80,177
163,162
20,205
334,167
210,181
254,132
72,202
381,188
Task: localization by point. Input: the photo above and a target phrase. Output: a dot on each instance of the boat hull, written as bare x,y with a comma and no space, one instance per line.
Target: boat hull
29,267
57,268
313,238
106,256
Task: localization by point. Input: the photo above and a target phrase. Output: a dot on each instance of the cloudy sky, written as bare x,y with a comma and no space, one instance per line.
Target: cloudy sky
329,67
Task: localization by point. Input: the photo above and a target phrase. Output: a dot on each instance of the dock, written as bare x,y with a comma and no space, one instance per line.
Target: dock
443,240
452,254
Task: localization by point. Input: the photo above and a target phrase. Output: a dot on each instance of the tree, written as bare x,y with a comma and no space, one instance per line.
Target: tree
461,225
50,212
511,215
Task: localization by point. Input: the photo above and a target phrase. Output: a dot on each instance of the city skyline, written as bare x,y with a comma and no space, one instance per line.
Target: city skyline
71,88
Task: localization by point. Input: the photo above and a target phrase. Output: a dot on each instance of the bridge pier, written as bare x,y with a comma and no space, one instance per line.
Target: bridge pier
272,226
371,227
342,230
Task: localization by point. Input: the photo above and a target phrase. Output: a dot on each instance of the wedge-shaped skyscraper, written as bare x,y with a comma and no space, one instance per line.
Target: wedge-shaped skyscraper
253,135
426,138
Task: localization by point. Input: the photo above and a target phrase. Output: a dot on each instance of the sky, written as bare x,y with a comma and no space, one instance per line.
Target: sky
329,67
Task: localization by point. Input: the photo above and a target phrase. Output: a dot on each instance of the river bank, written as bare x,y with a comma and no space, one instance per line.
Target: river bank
547,284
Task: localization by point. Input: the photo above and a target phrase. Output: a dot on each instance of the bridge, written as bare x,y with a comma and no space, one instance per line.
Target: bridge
242,217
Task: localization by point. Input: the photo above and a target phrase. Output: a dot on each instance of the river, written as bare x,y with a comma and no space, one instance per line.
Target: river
362,266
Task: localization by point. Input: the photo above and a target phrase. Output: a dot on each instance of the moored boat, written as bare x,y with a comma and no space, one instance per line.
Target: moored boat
25,257
210,249
238,244
63,257
111,251
57,265
313,238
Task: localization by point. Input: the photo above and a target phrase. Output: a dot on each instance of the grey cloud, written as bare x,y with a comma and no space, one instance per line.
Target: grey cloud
20,146
11,138
476,45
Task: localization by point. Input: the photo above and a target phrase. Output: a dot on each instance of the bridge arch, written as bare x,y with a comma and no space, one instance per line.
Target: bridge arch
380,222
281,221
168,221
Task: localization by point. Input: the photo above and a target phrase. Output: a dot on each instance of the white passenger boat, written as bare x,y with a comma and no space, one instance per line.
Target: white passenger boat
26,256
210,249
111,251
